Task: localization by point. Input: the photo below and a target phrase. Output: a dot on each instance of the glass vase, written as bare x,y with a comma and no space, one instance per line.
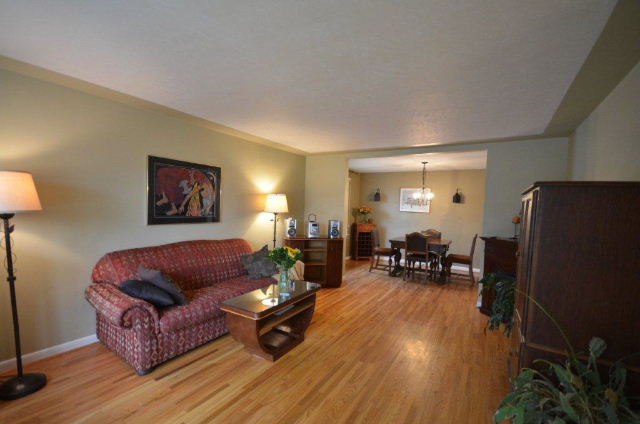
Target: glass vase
283,283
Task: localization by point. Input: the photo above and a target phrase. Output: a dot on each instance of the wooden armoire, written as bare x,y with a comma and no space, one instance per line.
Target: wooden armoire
579,257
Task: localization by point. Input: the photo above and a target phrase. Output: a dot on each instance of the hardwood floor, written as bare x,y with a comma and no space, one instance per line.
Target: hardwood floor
379,350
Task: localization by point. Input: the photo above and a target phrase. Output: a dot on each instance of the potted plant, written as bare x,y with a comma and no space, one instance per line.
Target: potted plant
363,212
504,285
572,392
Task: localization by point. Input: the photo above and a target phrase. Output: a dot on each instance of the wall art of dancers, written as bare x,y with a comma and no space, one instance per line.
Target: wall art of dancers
182,192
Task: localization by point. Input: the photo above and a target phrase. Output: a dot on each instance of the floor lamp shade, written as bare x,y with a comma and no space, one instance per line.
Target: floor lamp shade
18,192
276,203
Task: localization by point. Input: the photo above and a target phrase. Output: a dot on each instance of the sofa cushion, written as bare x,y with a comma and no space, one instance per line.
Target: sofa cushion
258,264
162,282
147,291
204,303
191,264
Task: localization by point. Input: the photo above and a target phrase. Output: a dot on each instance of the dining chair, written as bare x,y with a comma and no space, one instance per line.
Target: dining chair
430,232
455,258
379,251
436,259
415,252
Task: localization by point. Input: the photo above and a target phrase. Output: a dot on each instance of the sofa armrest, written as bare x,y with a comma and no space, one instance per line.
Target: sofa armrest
117,306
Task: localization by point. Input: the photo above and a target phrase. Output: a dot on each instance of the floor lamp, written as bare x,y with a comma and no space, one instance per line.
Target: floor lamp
276,203
17,194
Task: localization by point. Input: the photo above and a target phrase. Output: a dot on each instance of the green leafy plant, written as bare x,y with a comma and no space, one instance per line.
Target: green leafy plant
572,392
569,393
504,304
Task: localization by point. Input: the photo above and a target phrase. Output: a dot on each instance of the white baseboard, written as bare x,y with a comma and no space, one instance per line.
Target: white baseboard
50,351
456,267
464,268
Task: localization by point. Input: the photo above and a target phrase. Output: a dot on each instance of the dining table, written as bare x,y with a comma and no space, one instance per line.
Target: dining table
439,245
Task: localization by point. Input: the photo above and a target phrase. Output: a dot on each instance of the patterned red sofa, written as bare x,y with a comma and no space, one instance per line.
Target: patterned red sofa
207,271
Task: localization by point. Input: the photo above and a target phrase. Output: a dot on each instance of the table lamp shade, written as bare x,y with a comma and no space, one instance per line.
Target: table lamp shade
18,192
276,203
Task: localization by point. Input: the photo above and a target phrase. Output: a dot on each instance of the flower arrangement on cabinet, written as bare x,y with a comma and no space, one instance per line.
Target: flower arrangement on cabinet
363,212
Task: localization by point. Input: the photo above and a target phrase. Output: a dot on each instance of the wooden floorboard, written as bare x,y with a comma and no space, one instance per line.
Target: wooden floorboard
379,350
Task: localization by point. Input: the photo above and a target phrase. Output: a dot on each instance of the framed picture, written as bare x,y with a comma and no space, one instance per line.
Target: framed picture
409,203
182,192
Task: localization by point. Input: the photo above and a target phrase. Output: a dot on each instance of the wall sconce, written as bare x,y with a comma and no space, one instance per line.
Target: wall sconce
376,196
457,198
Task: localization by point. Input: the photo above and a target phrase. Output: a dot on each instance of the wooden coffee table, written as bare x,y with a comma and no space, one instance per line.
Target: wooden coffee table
269,324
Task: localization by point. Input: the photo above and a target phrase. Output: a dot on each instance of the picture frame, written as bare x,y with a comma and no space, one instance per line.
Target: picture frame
408,203
181,192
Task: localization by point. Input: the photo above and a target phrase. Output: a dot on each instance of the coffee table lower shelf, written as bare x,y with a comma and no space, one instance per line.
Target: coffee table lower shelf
277,339
272,336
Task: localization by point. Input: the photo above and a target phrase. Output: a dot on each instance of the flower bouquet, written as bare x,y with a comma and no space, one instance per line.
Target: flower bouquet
285,257
363,212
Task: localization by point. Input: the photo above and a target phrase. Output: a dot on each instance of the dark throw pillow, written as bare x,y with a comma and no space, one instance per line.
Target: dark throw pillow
147,291
258,265
163,282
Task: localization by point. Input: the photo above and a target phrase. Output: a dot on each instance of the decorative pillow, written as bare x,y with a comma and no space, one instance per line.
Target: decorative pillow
147,291
258,265
163,282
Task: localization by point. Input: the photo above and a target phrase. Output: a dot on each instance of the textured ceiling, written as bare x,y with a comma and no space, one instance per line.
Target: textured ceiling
413,163
323,75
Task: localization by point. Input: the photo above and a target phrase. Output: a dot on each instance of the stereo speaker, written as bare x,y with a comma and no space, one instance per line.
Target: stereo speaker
334,228
292,227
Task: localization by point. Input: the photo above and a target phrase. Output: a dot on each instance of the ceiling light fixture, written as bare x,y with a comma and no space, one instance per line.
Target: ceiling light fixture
423,197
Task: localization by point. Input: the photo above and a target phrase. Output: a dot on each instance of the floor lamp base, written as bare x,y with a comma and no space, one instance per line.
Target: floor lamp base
17,387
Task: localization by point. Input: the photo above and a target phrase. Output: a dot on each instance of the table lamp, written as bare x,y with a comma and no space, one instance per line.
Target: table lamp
515,221
276,203
17,194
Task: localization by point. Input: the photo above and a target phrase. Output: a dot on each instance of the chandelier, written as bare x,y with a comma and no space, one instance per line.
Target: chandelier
423,197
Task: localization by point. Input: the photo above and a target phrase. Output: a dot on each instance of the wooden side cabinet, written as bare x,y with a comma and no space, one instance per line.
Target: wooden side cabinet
322,259
362,241
499,256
